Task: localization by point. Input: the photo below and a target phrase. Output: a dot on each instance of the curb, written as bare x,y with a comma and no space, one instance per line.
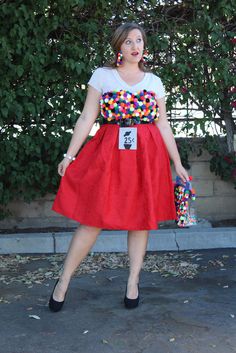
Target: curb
116,241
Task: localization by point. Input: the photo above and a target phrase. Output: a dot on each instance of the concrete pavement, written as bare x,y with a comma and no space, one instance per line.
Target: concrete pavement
175,315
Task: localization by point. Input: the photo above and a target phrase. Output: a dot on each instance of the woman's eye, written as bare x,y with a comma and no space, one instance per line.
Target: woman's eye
138,40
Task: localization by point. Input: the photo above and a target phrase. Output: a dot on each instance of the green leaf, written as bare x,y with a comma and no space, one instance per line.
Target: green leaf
19,70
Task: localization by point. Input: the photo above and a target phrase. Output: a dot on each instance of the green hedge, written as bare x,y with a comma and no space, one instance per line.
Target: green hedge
48,50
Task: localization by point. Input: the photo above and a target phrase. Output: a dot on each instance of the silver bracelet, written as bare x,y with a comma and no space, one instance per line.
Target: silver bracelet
69,157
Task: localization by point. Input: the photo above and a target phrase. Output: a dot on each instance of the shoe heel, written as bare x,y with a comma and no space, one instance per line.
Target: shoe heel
131,303
53,304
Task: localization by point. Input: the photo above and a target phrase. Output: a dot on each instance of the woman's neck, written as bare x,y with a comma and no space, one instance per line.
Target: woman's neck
127,67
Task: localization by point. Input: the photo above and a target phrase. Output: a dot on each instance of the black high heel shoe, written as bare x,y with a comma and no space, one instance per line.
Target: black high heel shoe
131,303
53,304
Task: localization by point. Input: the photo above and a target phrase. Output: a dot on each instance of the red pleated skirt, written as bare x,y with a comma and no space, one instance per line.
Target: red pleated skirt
110,188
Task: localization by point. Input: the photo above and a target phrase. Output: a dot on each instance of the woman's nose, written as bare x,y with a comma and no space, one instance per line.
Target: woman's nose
134,46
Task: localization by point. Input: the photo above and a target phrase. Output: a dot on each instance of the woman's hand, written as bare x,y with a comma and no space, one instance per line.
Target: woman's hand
62,166
181,172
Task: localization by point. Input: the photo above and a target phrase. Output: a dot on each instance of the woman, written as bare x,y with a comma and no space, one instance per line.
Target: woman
121,179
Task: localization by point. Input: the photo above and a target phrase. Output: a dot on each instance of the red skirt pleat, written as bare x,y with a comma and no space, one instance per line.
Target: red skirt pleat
119,189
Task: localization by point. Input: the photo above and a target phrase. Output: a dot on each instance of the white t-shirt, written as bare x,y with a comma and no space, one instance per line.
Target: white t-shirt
106,79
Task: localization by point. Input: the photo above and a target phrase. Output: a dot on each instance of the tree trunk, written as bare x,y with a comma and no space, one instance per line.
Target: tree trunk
227,116
230,130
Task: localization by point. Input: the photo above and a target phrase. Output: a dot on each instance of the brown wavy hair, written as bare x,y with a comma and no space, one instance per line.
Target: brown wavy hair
118,38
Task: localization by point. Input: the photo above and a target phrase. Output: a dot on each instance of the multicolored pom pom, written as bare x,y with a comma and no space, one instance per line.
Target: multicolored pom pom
184,193
119,60
122,104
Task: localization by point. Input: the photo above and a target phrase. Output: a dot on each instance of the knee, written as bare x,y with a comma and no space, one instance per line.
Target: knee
90,229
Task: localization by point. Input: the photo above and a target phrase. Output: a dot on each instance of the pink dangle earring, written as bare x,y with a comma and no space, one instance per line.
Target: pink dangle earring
144,58
119,59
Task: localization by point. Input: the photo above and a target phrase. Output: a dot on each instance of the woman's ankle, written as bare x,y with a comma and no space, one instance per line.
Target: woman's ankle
134,280
63,280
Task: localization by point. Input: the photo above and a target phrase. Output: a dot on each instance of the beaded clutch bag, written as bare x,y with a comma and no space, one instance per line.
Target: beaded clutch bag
184,196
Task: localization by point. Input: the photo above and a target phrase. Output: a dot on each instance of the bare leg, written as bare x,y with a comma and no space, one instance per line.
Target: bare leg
81,243
137,245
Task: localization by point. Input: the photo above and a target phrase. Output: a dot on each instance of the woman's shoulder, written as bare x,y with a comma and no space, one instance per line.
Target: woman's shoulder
103,69
101,73
157,85
155,76
99,78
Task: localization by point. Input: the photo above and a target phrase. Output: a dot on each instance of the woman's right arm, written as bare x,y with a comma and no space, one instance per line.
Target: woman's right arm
82,127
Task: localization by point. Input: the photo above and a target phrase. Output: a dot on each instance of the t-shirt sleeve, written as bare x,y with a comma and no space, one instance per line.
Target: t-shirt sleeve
96,80
159,87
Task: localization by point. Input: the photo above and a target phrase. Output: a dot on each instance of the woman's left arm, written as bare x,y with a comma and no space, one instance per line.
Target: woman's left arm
168,137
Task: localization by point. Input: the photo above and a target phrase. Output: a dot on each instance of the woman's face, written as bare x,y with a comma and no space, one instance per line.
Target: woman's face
132,47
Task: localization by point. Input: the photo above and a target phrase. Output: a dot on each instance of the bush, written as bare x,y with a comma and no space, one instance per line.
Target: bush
49,49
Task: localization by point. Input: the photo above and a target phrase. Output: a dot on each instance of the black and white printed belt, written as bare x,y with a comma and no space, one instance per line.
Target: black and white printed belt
124,122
